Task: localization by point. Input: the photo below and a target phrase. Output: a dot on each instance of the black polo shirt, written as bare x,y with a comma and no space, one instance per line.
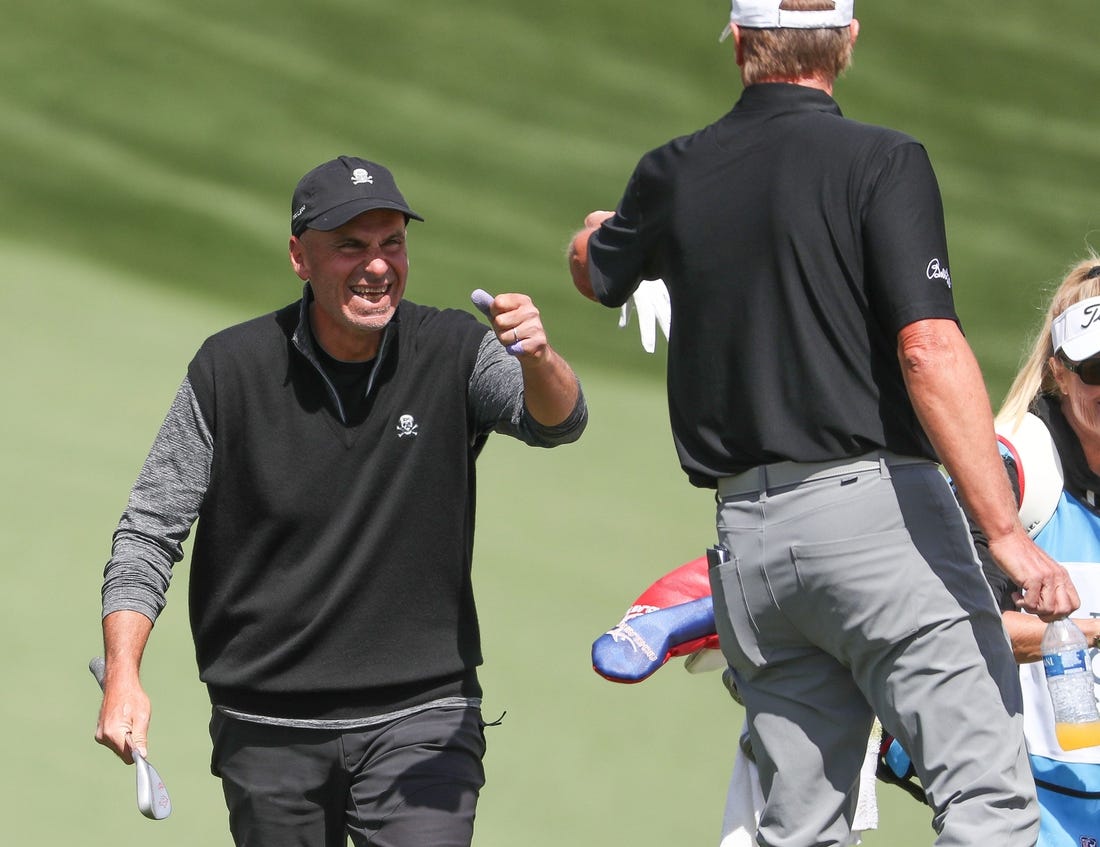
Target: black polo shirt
795,244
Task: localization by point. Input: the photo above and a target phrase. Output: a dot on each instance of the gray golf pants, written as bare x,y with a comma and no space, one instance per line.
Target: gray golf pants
853,590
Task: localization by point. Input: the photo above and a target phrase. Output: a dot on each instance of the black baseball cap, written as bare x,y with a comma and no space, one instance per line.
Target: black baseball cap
332,194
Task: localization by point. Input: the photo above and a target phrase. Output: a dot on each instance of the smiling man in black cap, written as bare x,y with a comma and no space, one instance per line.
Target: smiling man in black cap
327,451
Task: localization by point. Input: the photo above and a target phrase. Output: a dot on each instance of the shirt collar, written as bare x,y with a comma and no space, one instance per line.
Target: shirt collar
303,333
787,96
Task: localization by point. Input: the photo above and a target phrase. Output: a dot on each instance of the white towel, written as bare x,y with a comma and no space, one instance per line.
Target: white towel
745,800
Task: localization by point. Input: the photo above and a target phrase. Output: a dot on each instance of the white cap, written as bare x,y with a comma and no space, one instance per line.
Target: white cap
1076,332
766,14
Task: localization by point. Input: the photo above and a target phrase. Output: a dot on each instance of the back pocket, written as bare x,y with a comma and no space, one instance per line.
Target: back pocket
858,588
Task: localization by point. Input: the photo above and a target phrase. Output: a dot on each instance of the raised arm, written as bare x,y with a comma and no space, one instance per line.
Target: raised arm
578,253
550,387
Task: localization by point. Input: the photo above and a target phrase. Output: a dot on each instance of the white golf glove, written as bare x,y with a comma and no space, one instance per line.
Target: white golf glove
651,302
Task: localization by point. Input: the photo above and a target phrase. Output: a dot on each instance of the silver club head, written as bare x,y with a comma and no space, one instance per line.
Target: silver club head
152,797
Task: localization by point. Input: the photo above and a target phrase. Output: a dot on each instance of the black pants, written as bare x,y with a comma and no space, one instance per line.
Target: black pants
411,782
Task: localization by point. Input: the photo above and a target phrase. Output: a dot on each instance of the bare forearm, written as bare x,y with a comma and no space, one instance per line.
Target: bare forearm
125,635
124,715
550,388
1026,634
949,396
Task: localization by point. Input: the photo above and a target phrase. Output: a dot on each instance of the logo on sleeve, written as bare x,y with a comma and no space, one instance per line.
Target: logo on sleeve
936,271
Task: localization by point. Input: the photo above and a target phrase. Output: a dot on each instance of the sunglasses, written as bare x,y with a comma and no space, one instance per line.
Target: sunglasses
1088,371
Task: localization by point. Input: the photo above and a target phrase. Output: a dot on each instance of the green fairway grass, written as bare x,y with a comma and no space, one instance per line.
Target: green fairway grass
148,149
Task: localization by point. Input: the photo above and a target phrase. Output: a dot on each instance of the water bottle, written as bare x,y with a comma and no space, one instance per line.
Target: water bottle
1069,681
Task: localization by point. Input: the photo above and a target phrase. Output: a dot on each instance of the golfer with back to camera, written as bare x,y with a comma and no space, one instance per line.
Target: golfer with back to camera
816,374
328,452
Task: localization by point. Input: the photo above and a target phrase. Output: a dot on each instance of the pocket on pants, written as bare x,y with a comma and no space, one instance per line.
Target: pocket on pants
857,587
733,618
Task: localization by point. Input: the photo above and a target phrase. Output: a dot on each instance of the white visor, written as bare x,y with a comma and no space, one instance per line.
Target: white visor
1076,332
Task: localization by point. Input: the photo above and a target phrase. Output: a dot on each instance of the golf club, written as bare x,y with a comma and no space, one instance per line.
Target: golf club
152,797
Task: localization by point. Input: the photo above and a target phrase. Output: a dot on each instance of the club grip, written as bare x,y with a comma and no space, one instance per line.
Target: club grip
483,300
97,667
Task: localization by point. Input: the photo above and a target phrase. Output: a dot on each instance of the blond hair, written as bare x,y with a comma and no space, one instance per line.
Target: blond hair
776,55
1035,376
